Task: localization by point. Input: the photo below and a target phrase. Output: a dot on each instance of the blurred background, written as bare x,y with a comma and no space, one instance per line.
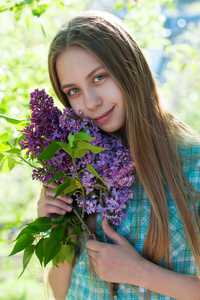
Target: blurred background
168,33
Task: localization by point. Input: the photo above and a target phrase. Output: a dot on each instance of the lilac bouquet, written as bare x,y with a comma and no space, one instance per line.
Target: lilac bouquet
91,166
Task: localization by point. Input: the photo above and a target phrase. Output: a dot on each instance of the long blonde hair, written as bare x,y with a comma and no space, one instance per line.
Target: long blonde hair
153,134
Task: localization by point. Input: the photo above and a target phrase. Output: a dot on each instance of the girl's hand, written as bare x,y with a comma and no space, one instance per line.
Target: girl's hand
47,206
119,263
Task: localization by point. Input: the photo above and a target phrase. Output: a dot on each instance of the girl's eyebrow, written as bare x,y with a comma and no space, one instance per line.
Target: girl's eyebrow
95,70
88,76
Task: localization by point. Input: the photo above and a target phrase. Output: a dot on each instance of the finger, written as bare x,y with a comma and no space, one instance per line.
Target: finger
94,263
52,185
93,254
58,203
112,234
48,206
94,245
51,193
49,209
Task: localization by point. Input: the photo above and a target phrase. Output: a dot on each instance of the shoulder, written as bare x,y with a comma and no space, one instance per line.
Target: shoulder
189,149
189,154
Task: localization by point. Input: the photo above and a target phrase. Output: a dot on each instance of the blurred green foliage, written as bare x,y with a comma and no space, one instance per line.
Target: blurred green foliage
24,49
181,88
25,38
146,20
27,28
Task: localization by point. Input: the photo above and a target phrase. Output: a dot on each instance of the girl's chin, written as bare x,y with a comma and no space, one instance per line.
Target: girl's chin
112,129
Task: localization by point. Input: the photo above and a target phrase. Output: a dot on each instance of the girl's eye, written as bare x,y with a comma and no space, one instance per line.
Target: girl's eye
99,78
72,92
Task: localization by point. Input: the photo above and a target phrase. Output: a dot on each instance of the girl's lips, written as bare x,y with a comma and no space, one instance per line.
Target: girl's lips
104,118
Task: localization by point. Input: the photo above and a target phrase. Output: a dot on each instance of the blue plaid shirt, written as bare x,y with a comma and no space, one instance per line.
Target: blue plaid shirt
182,258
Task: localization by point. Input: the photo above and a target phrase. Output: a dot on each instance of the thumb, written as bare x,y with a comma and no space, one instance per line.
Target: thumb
112,234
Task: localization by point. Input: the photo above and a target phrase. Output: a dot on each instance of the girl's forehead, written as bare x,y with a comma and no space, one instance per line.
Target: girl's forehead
76,52
76,62
77,57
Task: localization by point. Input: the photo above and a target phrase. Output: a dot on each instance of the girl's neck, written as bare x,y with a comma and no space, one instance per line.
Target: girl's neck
121,135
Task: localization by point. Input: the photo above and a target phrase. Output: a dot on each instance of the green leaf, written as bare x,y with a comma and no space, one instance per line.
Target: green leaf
85,129
70,190
14,151
88,146
2,156
52,248
101,186
22,137
42,224
105,188
80,153
59,190
32,156
193,53
4,146
129,6
8,165
73,185
39,10
57,233
28,230
17,11
119,5
71,139
49,152
12,120
43,27
4,136
70,252
65,147
58,175
23,242
59,219
27,1
94,172
39,250
83,136
28,253
77,230
184,65
19,124
28,21
66,252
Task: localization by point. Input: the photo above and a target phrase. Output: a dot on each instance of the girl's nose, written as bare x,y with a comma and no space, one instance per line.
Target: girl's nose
92,100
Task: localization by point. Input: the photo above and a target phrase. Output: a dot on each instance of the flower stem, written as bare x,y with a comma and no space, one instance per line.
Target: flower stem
20,156
111,286
102,204
85,226
26,161
83,191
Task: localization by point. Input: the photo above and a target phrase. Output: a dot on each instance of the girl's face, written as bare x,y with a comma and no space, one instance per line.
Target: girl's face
90,88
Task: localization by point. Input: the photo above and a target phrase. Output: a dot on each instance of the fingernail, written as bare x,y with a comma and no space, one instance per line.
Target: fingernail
69,208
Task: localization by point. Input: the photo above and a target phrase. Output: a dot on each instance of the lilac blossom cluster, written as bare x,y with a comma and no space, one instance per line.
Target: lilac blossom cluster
115,165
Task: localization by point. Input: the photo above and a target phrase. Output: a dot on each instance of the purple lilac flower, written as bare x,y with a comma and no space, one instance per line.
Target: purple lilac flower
115,165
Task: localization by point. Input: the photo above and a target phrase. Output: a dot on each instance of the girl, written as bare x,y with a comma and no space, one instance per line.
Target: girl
96,66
